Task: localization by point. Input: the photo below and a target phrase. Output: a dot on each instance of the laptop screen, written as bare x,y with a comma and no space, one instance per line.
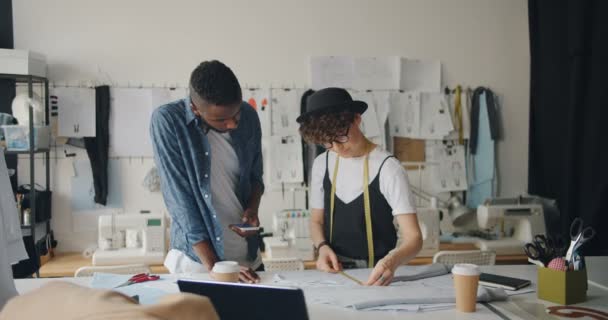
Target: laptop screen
247,301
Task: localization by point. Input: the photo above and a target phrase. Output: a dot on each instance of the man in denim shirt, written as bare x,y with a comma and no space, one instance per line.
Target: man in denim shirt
207,148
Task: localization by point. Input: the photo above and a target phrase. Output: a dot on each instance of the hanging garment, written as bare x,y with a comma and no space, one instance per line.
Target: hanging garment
489,101
482,172
11,243
98,146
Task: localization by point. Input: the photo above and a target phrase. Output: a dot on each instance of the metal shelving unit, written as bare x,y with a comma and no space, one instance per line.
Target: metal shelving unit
30,80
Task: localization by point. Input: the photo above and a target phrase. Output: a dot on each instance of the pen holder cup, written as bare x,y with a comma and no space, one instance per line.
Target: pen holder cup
562,287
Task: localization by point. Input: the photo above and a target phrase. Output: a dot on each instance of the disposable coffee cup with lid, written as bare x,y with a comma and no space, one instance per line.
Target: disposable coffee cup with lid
466,280
226,271
466,269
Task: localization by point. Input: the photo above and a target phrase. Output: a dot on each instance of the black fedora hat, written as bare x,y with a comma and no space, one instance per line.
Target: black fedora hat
331,100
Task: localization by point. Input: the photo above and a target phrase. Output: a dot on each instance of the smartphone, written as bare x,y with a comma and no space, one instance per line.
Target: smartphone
493,280
244,227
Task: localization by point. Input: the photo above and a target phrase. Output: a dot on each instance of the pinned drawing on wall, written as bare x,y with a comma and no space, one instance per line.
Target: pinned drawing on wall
377,73
405,114
420,75
286,160
370,121
331,71
435,119
285,109
130,137
448,172
75,111
259,99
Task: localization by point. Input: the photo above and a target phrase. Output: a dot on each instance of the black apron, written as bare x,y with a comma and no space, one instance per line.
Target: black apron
349,234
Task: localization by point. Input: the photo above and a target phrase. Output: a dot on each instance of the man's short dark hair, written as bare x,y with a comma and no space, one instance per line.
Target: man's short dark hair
215,83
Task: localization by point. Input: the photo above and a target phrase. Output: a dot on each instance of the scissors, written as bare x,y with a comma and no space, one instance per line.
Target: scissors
578,236
539,251
139,278
554,245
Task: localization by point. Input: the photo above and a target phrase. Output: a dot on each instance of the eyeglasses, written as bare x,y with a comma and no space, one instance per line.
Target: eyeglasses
337,139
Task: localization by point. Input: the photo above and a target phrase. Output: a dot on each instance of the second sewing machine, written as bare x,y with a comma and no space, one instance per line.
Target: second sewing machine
130,239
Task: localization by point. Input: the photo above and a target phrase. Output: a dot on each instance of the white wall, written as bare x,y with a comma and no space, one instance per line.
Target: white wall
268,42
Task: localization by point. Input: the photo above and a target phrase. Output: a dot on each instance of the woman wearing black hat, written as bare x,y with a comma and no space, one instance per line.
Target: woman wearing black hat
357,190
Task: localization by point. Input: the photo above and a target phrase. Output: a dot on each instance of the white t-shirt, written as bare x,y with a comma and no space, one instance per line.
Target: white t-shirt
394,184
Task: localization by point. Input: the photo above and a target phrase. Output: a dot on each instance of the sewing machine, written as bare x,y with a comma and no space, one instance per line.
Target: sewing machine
130,239
515,221
292,227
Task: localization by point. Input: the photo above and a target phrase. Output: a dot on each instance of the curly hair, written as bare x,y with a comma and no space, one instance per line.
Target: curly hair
319,129
215,83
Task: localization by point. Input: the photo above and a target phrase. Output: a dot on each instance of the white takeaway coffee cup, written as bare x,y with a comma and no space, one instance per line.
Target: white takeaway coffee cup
466,280
226,271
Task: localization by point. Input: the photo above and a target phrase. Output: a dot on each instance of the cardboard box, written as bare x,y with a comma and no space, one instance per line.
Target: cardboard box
22,62
562,287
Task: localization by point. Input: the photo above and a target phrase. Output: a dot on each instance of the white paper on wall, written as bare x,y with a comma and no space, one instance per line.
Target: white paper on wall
377,73
449,171
370,122
285,105
75,111
130,120
259,99
331,71
286,160
83,191
405,114
466,115
435,120
421,75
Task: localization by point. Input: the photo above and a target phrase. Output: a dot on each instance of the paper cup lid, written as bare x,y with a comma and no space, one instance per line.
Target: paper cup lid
226,267
466,269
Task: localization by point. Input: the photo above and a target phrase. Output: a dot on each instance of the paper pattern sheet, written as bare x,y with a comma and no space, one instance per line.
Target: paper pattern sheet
370,123
377,73
75,111
130,120
285,104
435,120
259,99
449,171
405,114
421,75
286,160
331,71
337,290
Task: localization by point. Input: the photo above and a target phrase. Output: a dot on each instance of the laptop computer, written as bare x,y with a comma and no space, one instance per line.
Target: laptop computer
248,301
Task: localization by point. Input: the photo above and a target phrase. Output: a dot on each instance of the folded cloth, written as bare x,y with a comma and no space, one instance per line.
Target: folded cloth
59,300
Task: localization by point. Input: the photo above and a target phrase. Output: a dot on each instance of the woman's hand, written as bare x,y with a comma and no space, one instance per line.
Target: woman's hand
383,273
328,261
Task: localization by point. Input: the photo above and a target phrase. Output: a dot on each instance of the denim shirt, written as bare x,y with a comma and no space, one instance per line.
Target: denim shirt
182,154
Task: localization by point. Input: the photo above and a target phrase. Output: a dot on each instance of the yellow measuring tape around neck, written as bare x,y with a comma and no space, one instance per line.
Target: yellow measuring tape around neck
368,211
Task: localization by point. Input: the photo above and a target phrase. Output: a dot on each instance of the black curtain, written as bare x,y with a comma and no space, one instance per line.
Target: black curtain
569,111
